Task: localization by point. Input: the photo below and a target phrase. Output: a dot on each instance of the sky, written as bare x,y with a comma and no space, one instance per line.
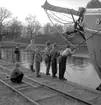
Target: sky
21,8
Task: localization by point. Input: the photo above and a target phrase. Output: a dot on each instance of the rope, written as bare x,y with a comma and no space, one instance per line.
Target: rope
72,17
57,29
88,38
66,39
57,20
60,18
79,30
65,15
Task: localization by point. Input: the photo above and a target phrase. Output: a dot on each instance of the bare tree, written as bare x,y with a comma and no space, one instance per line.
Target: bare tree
56,29
47,28
15,28
33,25
37,27
4,15
52,30
24,32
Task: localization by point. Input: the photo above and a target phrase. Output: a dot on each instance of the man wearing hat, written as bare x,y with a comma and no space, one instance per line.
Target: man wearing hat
47,56
31,48
54,55
37,60
62,61
17,52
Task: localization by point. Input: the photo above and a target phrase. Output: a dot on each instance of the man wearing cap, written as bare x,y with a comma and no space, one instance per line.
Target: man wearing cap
54,55
62,61
17,52
37,60
47,56
31,48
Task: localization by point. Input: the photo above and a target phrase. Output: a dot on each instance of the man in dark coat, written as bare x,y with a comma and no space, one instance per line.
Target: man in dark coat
37,60
17,53
47,56
62,61
54,55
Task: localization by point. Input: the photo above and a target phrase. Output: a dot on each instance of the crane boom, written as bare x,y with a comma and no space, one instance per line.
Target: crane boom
48,6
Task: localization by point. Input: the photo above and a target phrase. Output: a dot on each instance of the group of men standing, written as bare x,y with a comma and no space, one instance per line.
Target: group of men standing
51,57
51,54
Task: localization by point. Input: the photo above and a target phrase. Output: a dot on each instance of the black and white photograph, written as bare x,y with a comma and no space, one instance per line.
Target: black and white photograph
50,52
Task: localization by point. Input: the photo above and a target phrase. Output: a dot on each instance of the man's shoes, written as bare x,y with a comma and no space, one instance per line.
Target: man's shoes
99,87
38,75
47,74
54,76
32,68
64,79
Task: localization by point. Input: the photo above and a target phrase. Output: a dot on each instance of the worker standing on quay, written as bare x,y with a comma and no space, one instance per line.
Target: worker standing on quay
54,55
31,48
47,56
17,52
62,61
37,60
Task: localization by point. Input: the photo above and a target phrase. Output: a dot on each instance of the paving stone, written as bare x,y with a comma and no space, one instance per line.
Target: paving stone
32,82
39,93
96,101
59,100
84,94
74,90
8,97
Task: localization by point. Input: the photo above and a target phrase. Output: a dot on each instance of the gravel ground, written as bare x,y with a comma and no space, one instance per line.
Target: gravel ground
8,97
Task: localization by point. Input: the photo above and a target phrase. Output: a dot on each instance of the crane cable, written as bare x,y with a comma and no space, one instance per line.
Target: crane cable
66,39
59,17
89,37
57,29
56,19
65,15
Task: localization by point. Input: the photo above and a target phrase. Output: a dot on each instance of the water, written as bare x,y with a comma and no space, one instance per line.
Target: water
84,74
78,69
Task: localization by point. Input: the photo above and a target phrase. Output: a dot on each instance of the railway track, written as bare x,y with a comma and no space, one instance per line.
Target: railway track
42,94
15,89
10,97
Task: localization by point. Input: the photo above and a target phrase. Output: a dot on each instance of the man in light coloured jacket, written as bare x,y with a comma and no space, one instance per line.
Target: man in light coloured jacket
31,48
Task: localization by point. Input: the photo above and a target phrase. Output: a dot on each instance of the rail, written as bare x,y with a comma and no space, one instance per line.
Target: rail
53,91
